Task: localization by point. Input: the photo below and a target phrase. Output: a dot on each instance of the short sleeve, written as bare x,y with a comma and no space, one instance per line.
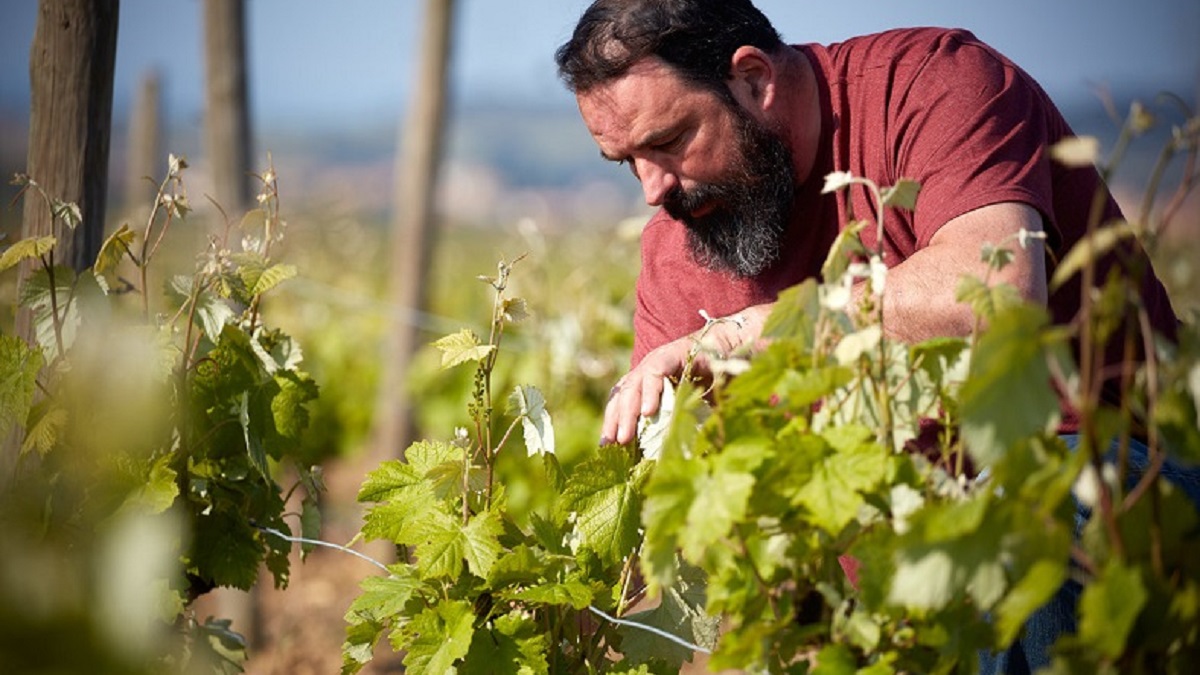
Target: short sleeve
971,129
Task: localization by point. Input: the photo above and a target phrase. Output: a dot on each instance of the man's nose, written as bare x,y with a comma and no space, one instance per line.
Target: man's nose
657,182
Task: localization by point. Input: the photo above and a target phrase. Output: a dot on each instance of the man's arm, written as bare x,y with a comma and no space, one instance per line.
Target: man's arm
918,300
918,304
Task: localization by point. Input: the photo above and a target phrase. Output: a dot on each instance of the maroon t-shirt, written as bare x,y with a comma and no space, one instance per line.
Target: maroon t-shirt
932,105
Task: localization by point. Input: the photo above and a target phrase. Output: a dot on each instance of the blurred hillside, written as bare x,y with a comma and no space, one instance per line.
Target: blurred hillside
505,162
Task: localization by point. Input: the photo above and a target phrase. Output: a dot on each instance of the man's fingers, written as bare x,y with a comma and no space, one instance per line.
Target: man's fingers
652,390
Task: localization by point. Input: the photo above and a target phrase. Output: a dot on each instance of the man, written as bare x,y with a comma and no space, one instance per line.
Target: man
731,133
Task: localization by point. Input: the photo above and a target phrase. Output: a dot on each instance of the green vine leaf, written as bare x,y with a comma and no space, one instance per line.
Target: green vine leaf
1109,607
604,494
159,491
572,592
115,248
512,644
680,613
462,347
437,638
225,549
1008,394
272,277
19,368
1090,248
382,598
46,423
833,495
27,249
902,195
446,543
529,404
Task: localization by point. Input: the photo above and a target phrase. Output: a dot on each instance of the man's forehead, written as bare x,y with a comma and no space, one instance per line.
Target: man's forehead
649,92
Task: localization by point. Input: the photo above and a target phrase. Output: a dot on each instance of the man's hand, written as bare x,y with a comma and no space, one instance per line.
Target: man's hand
639,393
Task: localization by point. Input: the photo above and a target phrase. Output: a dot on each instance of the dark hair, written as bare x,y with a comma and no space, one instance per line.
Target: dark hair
695,37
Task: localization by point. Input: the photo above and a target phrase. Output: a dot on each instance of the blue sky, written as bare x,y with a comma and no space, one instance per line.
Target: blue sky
341,63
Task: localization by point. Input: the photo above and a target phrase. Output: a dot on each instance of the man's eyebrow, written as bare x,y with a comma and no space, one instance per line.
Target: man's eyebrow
656,137
650,140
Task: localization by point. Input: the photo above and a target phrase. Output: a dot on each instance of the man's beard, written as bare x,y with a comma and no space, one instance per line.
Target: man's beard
743,235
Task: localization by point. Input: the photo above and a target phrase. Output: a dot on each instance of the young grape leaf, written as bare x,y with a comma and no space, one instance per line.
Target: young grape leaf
606,497
1109,607
19,368
1008,394
462,347
32,248
382,598
902,195
388,479
833,495
513,643
655,428
528,403
446,543
572,592
225,550
680,613
437,638
272,277
114,249
1094,247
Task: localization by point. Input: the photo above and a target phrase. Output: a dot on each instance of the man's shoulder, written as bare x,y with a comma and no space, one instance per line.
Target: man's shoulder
898,48
921,38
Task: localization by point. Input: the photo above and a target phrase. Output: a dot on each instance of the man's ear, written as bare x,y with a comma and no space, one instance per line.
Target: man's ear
752,77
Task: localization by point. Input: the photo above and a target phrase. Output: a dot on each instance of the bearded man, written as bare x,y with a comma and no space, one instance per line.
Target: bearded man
731,132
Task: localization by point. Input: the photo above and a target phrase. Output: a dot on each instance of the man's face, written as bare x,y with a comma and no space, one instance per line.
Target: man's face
702,158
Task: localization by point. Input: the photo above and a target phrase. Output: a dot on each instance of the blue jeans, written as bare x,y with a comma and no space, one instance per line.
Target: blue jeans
1031,651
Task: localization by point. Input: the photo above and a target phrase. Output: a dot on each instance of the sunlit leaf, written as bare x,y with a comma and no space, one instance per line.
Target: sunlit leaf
272,277
26,249
1033,591
462,347
837,180
438,637
571,593
515,310
528,403
45,426
1076,151
856,345
607,501
1008,394
654,428
159,491
1109,607
114,249
19,368
847,247
382,597
1090,249
67,212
